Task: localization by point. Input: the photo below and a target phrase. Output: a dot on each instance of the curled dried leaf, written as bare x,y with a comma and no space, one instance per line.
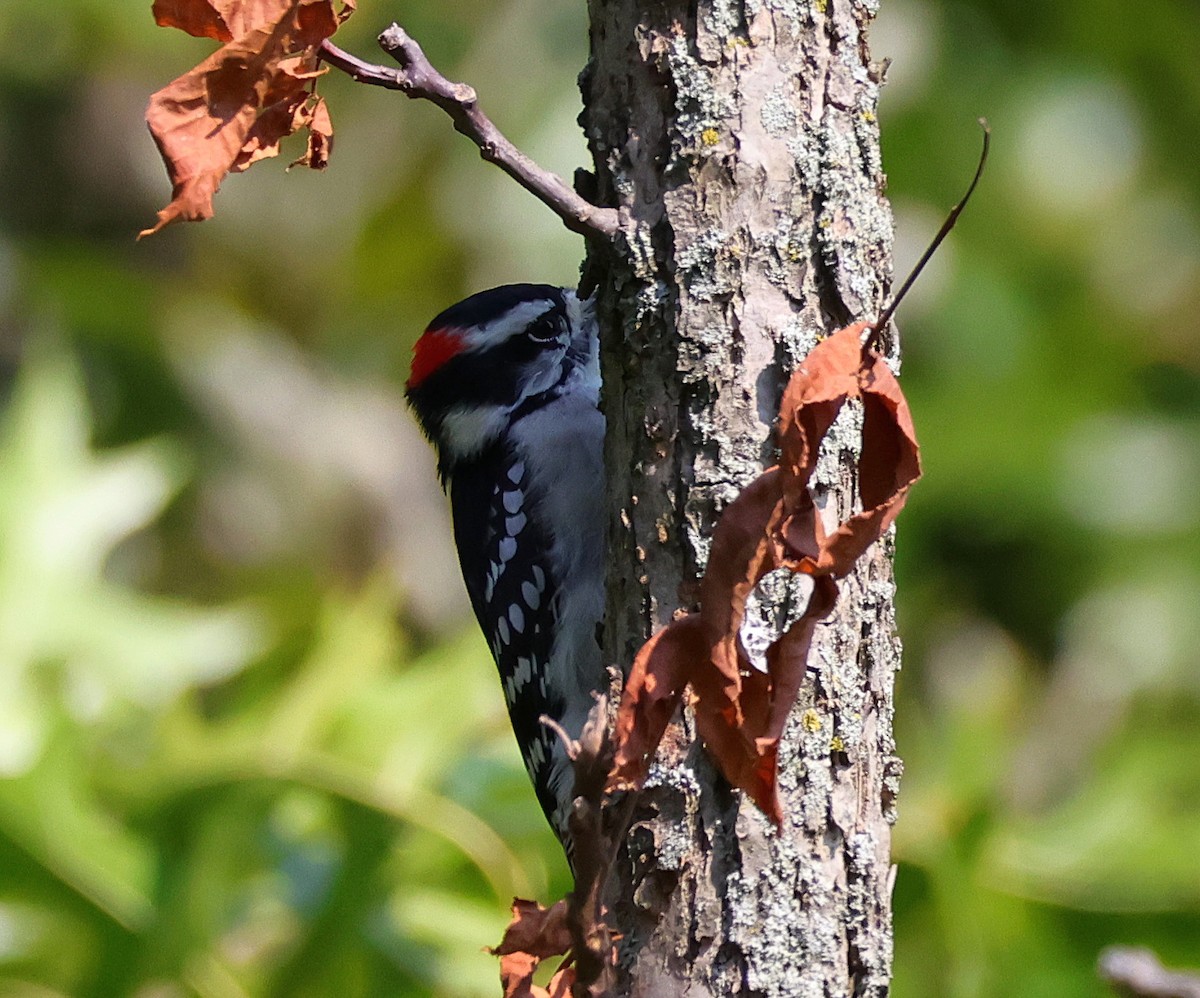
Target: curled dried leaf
235,107
541,932
661,670
773,523
516,977
203,19
835,370
534,934
315,117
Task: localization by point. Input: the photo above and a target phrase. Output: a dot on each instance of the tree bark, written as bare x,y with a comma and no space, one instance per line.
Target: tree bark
739,138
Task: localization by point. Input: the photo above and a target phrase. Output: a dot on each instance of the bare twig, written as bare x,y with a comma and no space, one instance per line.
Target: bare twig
417,78
1139,974
872,341
577,925
593,852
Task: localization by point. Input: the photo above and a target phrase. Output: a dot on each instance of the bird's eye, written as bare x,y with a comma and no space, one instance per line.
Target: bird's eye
546,329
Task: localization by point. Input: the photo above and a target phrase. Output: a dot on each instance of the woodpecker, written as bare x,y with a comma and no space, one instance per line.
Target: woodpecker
506,386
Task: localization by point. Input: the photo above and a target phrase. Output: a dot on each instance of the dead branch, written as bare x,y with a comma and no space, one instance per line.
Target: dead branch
416,78
595,837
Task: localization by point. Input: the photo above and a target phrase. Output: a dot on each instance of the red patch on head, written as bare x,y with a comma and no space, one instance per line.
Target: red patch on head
431,351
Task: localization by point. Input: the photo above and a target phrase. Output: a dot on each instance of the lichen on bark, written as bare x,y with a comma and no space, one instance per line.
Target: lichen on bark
740,139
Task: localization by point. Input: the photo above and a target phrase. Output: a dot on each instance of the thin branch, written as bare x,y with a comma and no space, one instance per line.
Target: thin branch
1137,972
880,324
417,78
593,852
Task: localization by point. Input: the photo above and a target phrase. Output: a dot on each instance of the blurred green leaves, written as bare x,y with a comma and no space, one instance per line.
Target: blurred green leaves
167,815
62,512
1049,562
250,742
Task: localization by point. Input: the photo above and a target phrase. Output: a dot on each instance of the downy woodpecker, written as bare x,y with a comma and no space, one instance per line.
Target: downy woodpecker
506,385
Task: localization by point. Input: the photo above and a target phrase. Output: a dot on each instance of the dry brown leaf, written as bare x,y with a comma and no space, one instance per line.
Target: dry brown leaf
740,709
204,20
787,658
542,932
773,523
516,977
835,370
561,984
534,934
740,555
320,135
651,696
235,107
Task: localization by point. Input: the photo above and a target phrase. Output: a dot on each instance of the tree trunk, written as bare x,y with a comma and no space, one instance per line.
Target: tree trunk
741,139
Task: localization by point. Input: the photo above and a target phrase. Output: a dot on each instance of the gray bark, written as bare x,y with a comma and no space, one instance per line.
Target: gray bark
741,140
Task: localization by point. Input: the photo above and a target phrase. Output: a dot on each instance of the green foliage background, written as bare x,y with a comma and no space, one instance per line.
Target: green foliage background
249,742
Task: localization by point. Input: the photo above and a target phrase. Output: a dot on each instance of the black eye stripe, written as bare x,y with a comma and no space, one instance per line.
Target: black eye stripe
523,349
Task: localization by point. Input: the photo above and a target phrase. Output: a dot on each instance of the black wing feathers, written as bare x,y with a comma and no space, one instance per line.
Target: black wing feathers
512,593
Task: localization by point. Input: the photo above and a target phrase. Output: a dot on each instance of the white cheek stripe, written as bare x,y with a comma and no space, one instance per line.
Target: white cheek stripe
511,322
466,430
